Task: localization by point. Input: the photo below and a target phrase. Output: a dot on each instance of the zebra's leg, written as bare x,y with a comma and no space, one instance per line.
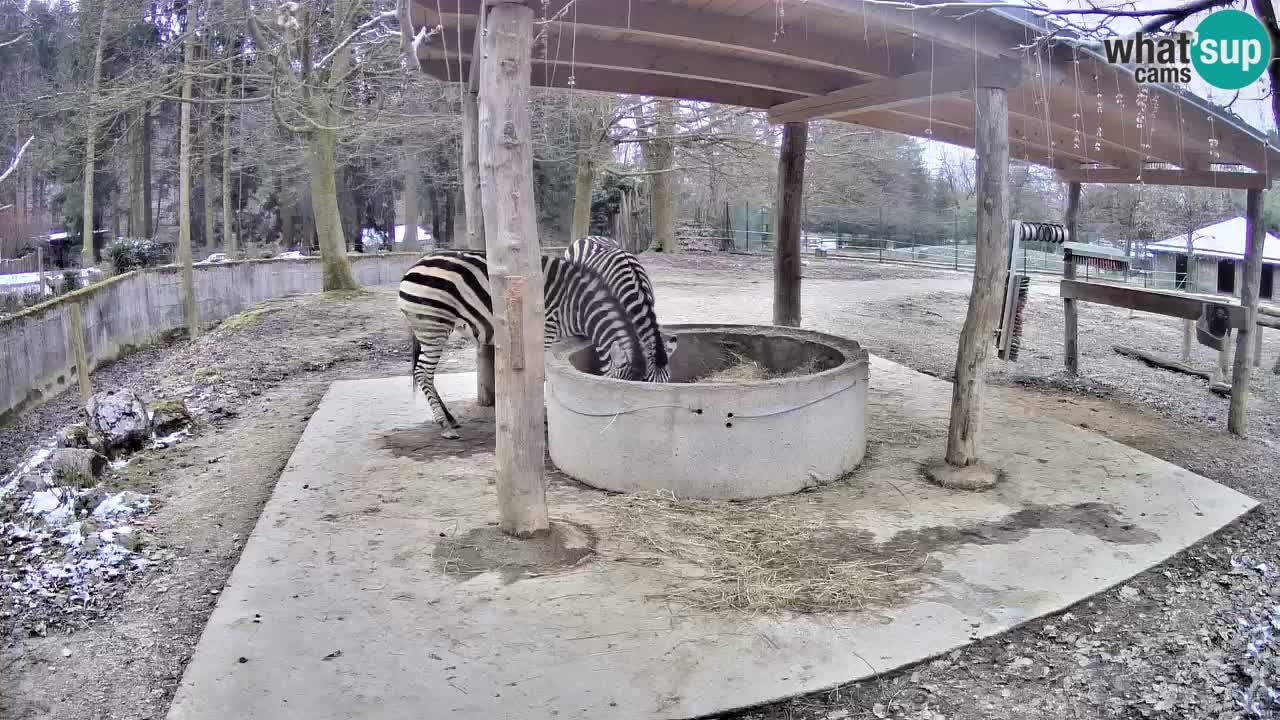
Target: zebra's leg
431,345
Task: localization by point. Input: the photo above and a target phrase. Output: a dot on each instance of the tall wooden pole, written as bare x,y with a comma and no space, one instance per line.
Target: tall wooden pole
990,269
515,269
786,253
1070,339
475,225
190,311
1238,416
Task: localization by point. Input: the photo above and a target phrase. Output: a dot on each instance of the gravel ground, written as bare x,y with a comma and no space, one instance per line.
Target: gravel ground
1189,639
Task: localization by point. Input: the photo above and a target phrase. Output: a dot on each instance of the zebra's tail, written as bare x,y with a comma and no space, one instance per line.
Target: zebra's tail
414,348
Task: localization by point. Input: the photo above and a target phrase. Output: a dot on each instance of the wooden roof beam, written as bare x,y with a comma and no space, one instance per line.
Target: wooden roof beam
971,31
955,134
599,80
589,51
1226,180
706,30
895,92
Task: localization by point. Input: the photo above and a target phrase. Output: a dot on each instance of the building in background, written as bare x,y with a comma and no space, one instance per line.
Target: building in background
1217,260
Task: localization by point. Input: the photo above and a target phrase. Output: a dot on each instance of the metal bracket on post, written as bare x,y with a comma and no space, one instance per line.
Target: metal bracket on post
1213,326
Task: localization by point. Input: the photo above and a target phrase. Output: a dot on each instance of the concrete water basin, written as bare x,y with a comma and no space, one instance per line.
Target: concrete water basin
751,411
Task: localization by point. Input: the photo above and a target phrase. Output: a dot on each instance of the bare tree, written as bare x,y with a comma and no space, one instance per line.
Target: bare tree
17,159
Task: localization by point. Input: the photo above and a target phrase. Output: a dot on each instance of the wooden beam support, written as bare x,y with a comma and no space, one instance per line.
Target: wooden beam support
515,268
1160,302
989,272
1070,330
786,253
898,91
1238,414
1225,180
474,209
75,337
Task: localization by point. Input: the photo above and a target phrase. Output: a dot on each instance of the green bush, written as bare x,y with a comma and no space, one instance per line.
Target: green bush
70,280
131,254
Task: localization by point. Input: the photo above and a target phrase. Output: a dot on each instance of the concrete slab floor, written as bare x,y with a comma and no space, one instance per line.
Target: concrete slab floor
354,599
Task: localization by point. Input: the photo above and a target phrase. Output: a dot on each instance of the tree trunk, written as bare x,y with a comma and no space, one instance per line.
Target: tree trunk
989,274
148,224
138,209
321,147
515,272
786,258
663,158
411,214
449,212
1238,415
229,239
206,179
582,195
91,139
433,198
184,194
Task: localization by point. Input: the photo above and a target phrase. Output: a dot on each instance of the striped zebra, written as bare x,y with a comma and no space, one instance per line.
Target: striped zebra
630,283
450,287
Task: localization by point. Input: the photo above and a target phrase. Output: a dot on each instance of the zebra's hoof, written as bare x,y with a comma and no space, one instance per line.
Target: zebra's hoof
450,434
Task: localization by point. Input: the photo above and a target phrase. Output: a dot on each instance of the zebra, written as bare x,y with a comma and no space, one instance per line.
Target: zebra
450,287
630,283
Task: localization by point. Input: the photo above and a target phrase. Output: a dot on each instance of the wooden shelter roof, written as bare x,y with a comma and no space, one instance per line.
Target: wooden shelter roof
877,65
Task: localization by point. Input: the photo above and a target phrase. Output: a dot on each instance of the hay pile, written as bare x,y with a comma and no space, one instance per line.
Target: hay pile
761,556
745,369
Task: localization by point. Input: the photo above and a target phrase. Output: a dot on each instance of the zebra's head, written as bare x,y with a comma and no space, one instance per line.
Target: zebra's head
621,362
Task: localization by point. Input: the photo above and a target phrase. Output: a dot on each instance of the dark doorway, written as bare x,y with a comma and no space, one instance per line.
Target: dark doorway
1266,288
1180,271
1227,277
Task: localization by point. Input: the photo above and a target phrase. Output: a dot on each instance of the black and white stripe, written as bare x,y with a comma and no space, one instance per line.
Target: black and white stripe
629,282
451,287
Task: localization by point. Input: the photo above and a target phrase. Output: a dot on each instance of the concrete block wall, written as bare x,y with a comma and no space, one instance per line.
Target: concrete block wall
138,308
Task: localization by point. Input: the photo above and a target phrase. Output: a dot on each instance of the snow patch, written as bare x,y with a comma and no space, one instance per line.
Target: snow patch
122,503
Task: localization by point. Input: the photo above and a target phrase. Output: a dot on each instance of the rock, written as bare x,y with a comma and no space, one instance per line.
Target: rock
169,416
79,467
121,418
74,436
32,482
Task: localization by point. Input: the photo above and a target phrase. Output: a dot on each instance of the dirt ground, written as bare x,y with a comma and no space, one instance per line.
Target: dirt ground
1189,639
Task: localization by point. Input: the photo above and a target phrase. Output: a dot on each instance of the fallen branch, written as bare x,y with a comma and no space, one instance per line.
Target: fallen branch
1174,365
14,165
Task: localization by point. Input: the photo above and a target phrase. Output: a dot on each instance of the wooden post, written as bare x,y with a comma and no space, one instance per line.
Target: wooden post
786,254
1257,346
475,227
1238,416
989,271
515,268
75,336
1070,339
40,269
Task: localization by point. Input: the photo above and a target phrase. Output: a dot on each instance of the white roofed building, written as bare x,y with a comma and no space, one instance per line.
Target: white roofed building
1216,260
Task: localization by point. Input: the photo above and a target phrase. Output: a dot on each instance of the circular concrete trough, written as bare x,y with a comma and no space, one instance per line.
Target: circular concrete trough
725,440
